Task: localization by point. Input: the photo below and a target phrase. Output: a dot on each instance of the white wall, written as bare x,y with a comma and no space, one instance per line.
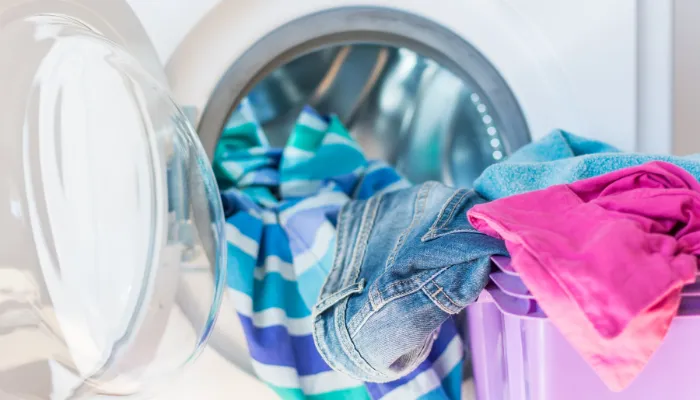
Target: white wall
168,21
686,79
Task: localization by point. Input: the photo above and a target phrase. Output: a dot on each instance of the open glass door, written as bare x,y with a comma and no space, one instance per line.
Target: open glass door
108,208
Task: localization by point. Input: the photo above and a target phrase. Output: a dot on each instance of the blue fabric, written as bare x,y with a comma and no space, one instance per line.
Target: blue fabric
406,262
560,158
282,208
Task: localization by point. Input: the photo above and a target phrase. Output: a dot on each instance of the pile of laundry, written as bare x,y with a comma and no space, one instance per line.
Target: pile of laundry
348,279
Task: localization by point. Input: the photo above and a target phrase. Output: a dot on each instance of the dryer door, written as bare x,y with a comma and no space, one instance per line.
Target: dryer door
107,200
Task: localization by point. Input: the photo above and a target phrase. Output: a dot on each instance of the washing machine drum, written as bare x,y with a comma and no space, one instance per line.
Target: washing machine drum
109,214
411,91
402,107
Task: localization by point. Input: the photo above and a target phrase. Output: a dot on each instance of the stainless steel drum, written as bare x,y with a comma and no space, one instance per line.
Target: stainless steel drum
401,106
411,92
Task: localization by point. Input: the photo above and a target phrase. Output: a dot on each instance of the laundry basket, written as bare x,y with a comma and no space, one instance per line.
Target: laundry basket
518,354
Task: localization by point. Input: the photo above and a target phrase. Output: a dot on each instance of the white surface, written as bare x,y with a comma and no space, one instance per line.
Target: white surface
655,92
168,21
686,84
211,377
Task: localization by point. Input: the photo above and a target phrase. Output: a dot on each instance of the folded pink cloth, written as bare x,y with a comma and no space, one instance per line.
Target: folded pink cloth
606,258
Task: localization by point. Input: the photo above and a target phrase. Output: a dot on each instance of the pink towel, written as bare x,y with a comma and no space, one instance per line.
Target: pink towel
606,258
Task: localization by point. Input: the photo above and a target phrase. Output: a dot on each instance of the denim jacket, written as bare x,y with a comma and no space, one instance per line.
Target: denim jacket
405,261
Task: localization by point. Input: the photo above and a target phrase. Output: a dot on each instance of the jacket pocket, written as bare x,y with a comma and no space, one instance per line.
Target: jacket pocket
452,218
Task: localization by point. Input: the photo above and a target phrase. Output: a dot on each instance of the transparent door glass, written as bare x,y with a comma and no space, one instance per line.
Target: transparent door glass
111,266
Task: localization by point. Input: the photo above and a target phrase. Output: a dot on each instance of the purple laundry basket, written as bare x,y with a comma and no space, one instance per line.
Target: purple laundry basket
518,354
513,286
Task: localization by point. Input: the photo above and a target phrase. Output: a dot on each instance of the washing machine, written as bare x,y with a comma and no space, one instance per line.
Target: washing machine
103,98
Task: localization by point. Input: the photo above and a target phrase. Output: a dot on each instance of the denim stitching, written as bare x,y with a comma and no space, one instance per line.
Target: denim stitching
451,206
338,263
375,298
445,207
418,208
435,295
412,289
342,247
335,275
444,293
407,281
454,208
406,292
362,323
353,324
346,341
435,235
409,286
327,302
366,225
337,318
435,301
353,271
336,270
441,221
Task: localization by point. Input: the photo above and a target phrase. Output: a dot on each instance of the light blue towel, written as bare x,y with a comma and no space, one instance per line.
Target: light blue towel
562,157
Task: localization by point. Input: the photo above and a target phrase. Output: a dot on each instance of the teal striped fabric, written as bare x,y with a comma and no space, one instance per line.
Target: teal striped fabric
281,206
